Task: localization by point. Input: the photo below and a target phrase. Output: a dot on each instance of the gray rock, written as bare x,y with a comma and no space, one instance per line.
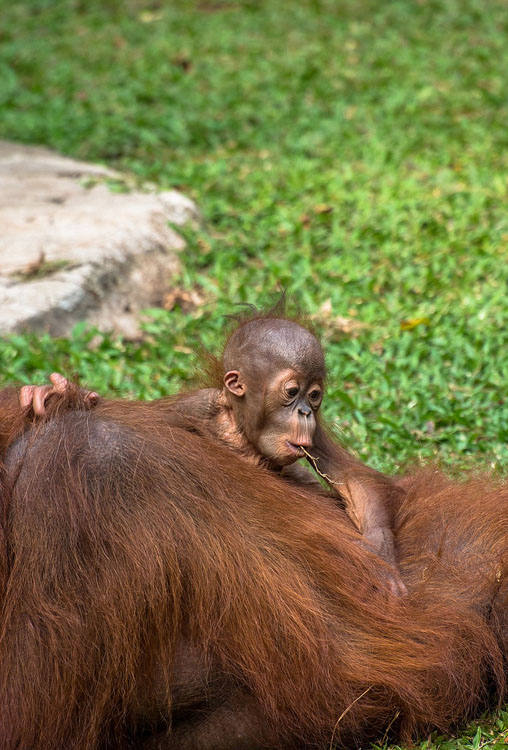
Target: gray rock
71,249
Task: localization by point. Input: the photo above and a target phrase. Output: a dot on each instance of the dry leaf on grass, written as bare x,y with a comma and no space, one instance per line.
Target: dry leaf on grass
348,326
186,299
323,208
338,324
410,323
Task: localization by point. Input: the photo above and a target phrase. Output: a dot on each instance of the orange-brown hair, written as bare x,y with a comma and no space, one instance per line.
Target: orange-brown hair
127,536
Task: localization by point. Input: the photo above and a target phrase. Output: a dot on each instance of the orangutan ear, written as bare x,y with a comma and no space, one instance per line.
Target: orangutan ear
233,382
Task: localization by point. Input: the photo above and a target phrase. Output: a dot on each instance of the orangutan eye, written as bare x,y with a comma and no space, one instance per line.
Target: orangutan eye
292,392
314,395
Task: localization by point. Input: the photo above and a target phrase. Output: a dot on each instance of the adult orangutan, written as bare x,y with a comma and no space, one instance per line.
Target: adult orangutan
160,592
264,405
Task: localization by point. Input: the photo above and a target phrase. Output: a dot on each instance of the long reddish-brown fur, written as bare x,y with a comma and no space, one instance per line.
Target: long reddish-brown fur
129,541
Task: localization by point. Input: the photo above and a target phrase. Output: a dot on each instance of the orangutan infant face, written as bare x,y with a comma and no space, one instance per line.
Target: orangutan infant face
291,401
278,414
274,375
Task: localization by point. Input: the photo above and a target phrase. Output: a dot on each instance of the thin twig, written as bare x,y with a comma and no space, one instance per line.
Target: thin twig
314,461
346,710
385,736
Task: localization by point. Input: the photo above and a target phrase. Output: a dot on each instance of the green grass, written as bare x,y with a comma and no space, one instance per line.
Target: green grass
351,152
489,734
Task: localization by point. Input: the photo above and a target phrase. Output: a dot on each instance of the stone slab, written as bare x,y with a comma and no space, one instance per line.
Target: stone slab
72,249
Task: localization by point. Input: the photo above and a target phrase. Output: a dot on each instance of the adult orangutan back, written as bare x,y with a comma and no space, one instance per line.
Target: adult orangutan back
151,577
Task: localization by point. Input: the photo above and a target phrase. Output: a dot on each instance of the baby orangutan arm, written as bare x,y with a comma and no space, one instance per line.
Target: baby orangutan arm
366,493
197,405
302,476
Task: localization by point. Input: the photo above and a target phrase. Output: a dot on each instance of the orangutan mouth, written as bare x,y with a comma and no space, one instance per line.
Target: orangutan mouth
297,450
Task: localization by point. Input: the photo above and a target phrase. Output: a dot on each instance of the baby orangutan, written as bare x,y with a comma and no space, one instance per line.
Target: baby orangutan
267,410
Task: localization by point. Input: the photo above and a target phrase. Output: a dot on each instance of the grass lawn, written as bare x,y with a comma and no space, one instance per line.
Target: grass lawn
351,152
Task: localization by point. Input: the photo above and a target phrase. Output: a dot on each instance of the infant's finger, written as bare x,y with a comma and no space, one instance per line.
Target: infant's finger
92,398
397,587
60,383
26,396
41,393
403,589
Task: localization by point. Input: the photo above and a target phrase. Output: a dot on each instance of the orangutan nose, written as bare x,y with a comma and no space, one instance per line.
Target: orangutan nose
304,410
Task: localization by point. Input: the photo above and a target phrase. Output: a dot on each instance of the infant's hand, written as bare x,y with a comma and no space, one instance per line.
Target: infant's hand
396,584
380,539
35,396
